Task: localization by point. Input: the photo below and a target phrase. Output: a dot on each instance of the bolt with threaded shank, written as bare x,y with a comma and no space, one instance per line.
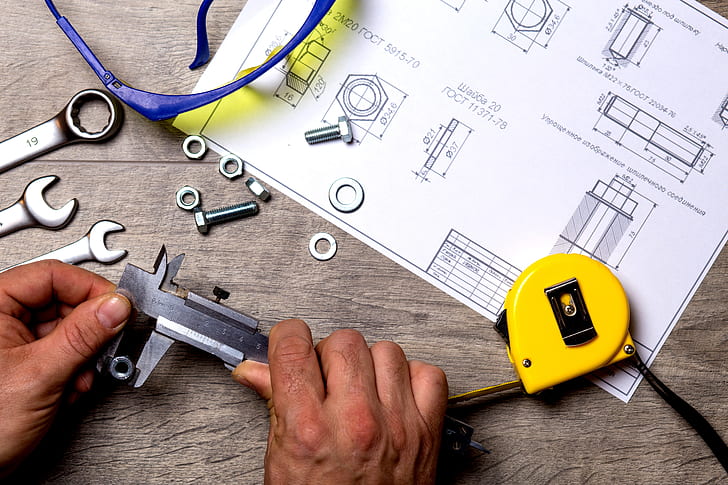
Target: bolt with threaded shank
205,219
341,130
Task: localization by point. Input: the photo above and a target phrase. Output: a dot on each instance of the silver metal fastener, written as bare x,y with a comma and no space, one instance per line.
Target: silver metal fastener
231,166
257,188
205,219
194,147
341,130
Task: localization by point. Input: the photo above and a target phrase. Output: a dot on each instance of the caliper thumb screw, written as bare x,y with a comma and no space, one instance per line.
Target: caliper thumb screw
205,219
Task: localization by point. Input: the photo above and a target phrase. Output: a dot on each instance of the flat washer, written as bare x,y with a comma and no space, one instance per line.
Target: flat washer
322,236
346,206
188,151
185,191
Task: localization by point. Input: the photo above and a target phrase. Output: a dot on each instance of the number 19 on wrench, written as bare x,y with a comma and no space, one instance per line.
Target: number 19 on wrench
62,129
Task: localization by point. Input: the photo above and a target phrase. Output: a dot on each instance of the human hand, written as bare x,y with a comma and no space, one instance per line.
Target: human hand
54,318
343,413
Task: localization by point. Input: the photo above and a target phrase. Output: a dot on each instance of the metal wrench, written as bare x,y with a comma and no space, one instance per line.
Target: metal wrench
62,129
32,210
91,247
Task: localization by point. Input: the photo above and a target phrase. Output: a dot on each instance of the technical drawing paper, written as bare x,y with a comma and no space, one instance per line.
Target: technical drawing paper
491,133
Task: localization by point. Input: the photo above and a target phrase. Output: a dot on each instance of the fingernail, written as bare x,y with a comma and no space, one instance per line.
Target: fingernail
114,311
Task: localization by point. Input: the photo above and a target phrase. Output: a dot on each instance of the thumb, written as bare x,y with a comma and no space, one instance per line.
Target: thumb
256,376
81,335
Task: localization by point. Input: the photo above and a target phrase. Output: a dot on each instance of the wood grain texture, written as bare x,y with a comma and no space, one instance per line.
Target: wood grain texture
191,422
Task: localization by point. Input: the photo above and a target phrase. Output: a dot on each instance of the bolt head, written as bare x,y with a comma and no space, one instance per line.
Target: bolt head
345,129
200,220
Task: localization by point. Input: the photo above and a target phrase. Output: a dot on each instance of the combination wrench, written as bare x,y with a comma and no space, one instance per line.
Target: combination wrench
91,247
63,129
32,210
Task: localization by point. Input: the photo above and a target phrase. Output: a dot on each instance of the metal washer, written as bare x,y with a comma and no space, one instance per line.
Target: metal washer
199,153
322,236
334,195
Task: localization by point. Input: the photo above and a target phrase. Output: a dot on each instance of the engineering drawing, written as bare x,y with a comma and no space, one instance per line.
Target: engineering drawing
721,116
632,36
302,73
673,152
443,148
524,23
368,101
455,4
472,271
606,214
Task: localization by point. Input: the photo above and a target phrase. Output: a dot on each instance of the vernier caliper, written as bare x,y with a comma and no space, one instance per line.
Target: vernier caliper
180,315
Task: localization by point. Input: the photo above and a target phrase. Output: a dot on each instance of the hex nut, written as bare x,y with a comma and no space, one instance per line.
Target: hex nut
257,188
231,166
183,194
200,220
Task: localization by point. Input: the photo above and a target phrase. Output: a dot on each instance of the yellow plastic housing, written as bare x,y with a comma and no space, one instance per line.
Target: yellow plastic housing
536,347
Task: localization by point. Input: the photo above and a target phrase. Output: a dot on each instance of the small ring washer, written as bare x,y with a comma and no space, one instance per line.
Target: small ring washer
349,206
185,191
322,236
194,139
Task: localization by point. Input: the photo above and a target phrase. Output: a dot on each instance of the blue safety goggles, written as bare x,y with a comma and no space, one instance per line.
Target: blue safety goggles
163,106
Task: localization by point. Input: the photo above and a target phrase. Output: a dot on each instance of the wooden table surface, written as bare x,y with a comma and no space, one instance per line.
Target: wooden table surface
192,423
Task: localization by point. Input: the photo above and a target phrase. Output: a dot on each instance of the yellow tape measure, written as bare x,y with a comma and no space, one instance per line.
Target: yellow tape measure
565,316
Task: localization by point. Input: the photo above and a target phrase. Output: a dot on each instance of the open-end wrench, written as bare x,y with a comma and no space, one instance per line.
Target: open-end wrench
91,247
32,210
62,129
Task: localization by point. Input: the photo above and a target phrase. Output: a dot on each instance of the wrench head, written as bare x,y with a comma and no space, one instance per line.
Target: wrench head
97,242
46,216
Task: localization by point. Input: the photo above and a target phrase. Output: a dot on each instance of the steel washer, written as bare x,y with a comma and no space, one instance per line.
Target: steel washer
322,236
334,195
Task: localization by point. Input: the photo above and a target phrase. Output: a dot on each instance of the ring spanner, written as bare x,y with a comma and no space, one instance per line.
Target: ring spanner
63,129
91,247
32,210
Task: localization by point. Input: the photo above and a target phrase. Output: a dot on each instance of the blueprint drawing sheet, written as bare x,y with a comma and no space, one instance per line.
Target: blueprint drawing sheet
491,133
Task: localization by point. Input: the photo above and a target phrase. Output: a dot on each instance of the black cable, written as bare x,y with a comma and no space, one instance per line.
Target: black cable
691,415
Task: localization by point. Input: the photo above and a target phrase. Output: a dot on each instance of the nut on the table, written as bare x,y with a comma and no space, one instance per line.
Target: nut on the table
231,166
257,188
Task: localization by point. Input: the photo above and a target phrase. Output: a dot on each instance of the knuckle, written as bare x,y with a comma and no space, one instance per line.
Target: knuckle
306,436
364,428
311,437
292,348
430,375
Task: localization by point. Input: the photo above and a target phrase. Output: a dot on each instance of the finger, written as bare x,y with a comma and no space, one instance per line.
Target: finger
36,285
79,337
391,370
84,381
296,382
429,388
256,376
347,366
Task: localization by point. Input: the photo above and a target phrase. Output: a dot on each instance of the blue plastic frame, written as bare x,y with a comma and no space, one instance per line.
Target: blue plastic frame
155,106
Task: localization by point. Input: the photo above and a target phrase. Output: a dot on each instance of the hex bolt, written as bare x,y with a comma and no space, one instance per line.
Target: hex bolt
205,219
341,130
